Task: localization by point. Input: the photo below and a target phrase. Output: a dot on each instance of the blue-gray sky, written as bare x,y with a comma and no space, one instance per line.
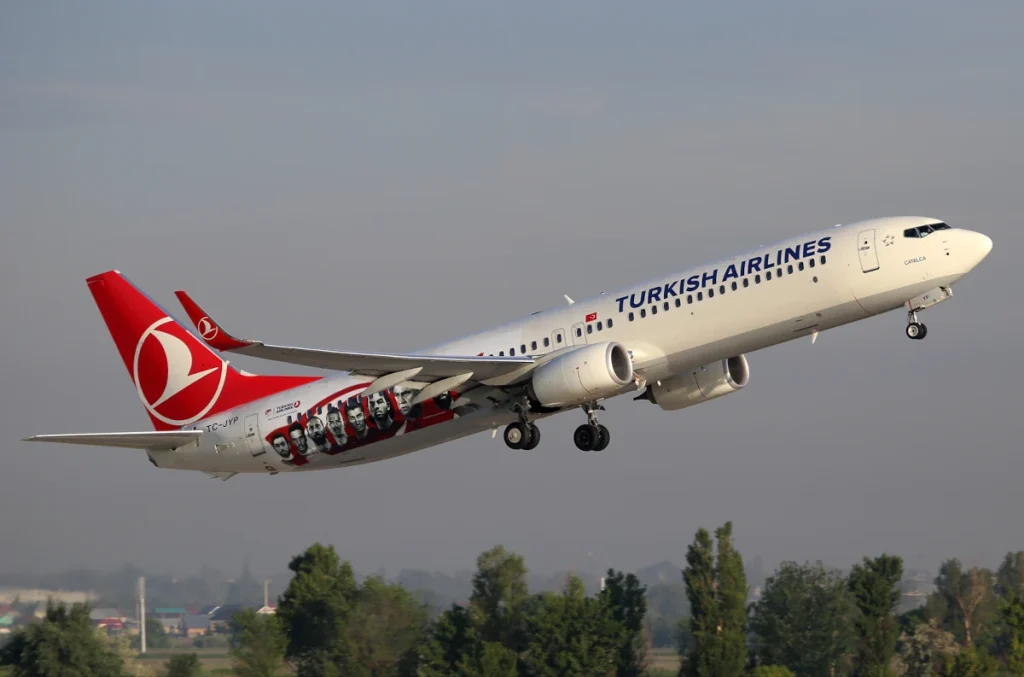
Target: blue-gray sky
384,176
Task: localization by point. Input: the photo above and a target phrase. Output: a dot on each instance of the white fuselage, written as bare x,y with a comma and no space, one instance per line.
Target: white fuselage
859,270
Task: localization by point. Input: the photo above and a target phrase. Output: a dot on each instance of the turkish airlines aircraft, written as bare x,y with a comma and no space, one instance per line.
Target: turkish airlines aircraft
679,340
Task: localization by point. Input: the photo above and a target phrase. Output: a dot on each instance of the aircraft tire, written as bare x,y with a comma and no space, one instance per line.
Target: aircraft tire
517,436
534,437
604,438
916,331
586,436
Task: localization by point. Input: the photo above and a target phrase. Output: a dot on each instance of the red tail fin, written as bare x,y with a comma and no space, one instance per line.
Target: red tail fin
179,380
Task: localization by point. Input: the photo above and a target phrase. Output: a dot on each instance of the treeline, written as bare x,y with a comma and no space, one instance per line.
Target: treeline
810,621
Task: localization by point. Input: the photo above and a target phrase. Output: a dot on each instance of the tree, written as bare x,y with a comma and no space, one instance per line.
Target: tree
626,600
63,644
314,611
803,620
717,589
969,663
924,652
258,644
184,665
492,660
385,627
499,590
449,644
771,671
156,636
965,597
1010,576
1011,611
874,584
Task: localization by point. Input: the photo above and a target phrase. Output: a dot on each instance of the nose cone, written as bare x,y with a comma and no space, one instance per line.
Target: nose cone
982,245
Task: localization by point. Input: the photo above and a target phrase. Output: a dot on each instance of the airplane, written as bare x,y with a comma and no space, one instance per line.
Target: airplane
677,340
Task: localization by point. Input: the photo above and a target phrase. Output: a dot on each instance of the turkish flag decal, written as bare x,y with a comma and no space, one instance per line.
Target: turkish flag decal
591,317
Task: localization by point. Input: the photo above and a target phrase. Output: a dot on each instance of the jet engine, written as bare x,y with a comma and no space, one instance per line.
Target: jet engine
700,385
584,374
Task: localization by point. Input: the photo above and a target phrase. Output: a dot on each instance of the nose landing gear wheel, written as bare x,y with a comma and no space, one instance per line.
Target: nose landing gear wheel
534,437
586,437
517,435
916,331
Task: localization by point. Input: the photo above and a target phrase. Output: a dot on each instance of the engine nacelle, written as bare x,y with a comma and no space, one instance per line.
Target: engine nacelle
581,375
700,385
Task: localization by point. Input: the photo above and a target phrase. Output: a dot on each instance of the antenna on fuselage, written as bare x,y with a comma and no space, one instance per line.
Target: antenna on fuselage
568,299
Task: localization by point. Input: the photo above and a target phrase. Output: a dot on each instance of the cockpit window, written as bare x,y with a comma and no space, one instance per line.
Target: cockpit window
924,231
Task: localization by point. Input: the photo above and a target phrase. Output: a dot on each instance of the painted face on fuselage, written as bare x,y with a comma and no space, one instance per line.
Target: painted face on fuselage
315,429
380,408
404,397
336,426
281,446
357,419
299,440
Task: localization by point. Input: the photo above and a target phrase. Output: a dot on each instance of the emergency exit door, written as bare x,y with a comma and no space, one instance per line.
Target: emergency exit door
866,250
252,435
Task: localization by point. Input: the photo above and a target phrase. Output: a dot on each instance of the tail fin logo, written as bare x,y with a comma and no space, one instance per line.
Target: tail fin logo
182,387
207,329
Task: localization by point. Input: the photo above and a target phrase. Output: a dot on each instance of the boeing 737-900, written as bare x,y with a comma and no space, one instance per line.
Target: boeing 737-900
676,341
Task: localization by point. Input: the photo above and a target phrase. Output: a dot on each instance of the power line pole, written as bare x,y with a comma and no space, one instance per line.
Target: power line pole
142,614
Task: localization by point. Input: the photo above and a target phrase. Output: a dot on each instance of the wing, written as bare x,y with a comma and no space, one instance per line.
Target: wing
152,440
388,369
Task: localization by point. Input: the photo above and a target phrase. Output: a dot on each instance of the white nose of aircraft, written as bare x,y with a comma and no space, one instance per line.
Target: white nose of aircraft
981,245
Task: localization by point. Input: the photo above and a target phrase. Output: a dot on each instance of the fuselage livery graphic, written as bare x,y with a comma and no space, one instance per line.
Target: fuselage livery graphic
674,341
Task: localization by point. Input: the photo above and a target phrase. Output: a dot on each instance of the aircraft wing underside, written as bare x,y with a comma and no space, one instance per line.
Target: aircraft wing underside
441,371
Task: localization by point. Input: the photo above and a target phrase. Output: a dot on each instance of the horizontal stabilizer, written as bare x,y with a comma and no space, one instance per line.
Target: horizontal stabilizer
154,440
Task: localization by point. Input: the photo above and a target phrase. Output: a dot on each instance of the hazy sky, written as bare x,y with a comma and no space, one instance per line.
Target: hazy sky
384,176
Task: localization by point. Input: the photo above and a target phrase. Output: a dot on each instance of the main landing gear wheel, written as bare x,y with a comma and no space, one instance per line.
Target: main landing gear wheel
604,437
586,437
517,435
916,331
534,437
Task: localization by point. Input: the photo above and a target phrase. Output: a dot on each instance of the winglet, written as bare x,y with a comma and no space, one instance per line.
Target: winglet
211,332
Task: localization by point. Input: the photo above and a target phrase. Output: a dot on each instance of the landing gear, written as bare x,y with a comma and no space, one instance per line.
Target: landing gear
522,434
591,436
915,330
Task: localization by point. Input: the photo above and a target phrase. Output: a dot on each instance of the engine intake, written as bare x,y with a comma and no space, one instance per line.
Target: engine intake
700,385
584,374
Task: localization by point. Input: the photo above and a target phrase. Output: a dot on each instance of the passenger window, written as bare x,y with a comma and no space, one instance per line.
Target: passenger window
679,302
547,342
822,259
533,345
501,353
801,266
599,326
689,298
789,269
609,323
558,338
757,279
666,305
746,282
700,296
811,263
768,275
522,349
590,329
631,316
512,351
579,332
654,310
711,293
734,286
643,312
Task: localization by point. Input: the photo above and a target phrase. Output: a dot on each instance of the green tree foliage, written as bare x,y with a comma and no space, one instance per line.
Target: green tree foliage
385,627
156,636
874,585
499,590
717,589
184,665
771,671
63,644
963,601
258,644
1011,611
449,644
492,660
626,600
924,651
314,611
1010,576
571,634
803,620
969,663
